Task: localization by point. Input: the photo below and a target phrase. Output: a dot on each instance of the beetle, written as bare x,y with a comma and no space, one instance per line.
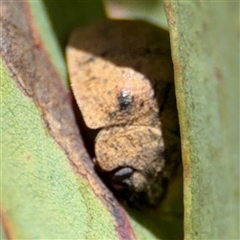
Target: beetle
121,74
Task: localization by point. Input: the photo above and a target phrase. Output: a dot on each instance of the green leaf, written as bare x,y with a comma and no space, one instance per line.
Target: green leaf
205,51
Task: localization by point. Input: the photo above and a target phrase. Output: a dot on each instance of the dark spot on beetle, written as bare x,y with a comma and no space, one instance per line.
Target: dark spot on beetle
112,114
157,115
141,104
125,101
109,92
153,136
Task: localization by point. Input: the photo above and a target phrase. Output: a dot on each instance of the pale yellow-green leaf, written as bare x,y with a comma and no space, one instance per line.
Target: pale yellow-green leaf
205,50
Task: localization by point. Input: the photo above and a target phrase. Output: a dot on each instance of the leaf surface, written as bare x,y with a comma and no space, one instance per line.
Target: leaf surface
205,52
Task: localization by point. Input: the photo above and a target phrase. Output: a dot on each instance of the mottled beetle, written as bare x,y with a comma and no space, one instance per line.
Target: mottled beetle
122,77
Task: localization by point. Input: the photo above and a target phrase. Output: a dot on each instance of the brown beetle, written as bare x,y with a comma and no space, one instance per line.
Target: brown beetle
122,77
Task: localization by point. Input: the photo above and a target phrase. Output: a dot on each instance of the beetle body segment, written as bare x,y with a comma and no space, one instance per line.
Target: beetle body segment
136,147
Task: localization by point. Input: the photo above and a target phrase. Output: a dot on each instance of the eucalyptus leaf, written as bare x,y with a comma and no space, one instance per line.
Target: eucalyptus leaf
205,51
